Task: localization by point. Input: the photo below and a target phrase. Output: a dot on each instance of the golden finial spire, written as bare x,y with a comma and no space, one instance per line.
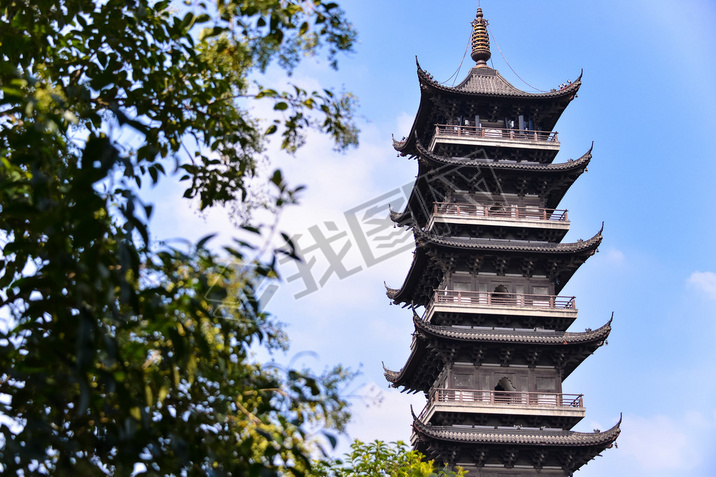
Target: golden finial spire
480,40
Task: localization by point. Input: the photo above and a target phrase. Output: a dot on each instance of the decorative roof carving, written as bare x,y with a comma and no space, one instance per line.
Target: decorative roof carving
391,292
398,144
391,376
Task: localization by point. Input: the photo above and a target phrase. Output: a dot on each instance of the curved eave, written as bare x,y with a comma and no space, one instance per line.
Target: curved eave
423,239
415,203
556,338
405,217
402,377
501,437
397,295
576,165
390,375
407,144
403,146
391,292
507,90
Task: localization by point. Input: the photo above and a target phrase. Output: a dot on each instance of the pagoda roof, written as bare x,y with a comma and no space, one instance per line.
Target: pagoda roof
433,159
537,448
564,258
531,437
424,238
485,81
564,350
552,181
546,338
484,85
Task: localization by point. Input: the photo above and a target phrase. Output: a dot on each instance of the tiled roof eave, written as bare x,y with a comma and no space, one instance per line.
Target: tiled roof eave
522,437
516,337
423,238
428,83
405,378
416,269
570,166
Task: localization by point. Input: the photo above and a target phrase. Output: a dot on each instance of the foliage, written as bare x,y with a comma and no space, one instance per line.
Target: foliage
120,352
378,458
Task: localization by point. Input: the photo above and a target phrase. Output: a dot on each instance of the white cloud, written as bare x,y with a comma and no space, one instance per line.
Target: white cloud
660,442
404,122
610,258
704,282
614,257
389,420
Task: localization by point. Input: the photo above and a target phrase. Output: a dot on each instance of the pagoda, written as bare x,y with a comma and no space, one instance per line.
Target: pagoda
491,347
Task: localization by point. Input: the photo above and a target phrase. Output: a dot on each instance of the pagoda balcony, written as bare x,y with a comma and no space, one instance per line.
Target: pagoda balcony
501,303
511,215
482,136
570,406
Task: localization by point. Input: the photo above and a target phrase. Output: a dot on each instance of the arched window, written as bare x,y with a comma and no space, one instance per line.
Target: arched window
503,391
499,209
500,295
504,384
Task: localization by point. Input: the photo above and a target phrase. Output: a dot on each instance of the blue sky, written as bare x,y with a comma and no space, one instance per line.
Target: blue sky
647,101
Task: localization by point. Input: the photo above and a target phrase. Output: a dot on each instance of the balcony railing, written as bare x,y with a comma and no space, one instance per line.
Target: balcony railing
445,131
502,299
512,212
467,397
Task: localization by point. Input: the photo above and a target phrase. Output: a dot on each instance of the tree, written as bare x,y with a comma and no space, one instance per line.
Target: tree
118,354
378,458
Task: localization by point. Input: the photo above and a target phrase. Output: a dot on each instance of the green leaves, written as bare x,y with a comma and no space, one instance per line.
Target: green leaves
379,458
335,116
122,352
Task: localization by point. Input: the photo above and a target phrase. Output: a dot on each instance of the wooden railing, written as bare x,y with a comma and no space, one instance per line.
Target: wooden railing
500,212
468,397
445,130
521,300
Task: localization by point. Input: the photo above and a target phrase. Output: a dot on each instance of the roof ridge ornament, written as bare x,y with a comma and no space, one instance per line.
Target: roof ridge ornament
480,41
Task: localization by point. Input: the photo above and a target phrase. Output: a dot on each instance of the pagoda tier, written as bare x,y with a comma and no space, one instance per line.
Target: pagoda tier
486,111
436,348
511,452
497,191
435,256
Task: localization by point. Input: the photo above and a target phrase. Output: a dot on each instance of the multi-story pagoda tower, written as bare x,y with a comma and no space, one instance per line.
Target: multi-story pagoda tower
490,348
